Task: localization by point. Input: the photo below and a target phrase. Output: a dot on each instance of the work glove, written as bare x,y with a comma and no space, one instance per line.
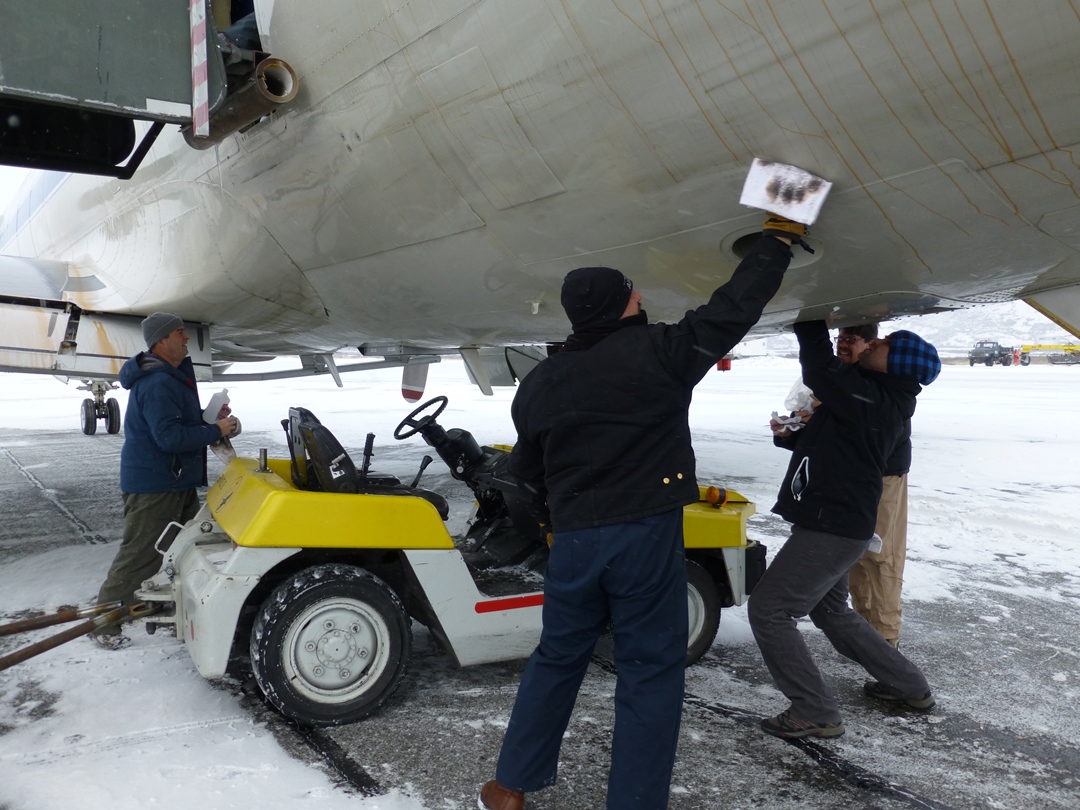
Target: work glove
776,225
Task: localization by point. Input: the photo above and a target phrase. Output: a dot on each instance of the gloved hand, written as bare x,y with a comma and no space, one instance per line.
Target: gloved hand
229,426
776,225
548,534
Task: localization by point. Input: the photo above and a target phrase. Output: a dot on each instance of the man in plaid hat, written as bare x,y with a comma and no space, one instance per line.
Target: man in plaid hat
876,581
830,494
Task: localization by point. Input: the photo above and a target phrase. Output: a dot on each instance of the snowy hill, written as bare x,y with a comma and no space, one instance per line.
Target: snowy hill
953,333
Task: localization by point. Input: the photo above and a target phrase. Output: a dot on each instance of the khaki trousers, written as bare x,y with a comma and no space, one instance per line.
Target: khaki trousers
145,518
876,579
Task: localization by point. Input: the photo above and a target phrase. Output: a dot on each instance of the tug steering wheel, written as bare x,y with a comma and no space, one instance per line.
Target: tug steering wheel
417,425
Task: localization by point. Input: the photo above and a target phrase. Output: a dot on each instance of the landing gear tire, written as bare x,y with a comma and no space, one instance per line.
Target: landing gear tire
112,416
703,601
330,645
89,417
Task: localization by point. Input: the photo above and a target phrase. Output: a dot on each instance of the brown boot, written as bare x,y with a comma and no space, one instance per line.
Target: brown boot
494,796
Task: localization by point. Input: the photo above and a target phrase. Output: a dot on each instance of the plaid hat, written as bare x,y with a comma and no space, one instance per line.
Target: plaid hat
592,296
911,356
157,326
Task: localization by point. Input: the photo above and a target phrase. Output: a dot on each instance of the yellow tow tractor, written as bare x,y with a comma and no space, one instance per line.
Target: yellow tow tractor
1061,353
316,569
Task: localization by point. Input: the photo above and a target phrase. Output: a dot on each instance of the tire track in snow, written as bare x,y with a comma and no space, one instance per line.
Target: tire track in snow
133,739
80,527
829,760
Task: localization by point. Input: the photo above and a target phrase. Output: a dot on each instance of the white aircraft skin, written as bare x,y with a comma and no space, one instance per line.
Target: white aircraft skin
446,162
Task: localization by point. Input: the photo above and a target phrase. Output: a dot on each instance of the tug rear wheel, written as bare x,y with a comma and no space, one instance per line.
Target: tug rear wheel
330,645
703,602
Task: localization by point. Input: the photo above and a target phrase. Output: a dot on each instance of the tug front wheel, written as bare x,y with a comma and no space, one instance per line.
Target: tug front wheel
330,645
703,602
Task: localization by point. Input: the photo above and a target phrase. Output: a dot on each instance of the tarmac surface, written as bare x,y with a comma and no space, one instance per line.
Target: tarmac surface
997,739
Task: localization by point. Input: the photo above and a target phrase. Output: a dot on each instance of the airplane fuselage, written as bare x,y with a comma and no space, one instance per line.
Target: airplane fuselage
445,164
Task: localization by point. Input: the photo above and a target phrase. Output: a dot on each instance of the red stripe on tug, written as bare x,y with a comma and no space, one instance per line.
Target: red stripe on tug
512,603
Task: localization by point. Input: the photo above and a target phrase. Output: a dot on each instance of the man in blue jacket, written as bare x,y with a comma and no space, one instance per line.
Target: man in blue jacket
603,442
163,460
830,494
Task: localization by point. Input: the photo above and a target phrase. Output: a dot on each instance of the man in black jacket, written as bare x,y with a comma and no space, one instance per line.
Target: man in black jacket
603,441
877,579
830,494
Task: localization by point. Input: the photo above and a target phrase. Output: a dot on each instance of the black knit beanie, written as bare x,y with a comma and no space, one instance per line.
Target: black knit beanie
593,296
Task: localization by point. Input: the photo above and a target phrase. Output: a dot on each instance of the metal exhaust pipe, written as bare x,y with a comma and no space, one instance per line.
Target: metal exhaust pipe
271,84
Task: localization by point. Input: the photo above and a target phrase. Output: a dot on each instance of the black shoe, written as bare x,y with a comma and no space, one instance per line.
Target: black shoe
881,691
789,727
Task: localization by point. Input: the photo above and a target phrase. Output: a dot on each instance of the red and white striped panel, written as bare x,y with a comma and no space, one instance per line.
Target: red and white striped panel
200,97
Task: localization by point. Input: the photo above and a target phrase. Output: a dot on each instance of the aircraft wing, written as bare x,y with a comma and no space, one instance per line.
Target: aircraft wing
32,278
41,331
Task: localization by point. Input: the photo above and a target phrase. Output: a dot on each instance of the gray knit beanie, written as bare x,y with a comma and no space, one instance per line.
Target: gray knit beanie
159,325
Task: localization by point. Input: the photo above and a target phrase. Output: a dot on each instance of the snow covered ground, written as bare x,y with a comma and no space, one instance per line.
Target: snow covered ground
992,598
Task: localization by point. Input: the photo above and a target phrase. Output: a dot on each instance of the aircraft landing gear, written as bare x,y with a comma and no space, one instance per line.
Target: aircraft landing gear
99,407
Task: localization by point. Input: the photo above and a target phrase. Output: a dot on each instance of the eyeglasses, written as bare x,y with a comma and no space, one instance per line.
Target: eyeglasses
848,339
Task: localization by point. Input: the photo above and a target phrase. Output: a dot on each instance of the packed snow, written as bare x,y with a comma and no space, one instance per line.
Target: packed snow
992,489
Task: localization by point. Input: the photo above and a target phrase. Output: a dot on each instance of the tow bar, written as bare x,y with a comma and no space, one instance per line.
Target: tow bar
103,615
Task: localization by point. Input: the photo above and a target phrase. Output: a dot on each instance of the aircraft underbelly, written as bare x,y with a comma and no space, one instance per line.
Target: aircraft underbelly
447,162
189,248
340,191
560,144
942,237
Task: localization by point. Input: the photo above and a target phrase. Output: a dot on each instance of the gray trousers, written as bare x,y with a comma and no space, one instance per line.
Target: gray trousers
810,576
145,518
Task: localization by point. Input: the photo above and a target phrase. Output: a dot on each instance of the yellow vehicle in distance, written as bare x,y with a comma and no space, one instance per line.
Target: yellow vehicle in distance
1060,353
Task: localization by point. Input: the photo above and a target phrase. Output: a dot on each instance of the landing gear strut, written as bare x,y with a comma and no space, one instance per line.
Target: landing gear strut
99,407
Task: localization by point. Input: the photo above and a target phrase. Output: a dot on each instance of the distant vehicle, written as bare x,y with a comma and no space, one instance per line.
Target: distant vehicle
990,352
1062,353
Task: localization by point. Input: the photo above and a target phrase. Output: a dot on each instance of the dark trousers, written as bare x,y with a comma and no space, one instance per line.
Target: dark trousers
635,575
145,518
810,576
